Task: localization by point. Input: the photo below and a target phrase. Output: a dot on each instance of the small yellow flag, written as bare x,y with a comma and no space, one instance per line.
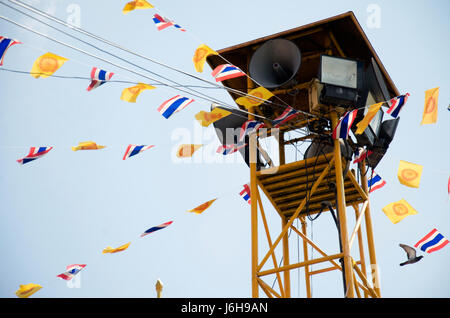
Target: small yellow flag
397,211
362,125
112,250
130,94
27,290
46,65
202,207
87,145
187,150
201,53
409,174
136,4
205,119
430,111
261,93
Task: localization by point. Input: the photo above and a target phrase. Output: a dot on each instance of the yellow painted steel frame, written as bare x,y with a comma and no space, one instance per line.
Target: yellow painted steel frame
352,269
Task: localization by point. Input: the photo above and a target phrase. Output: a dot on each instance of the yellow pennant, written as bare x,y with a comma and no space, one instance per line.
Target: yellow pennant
201,53
397,211
362,125
27,290
261,93
130,94
430,111
46,65
202,207
205,119
187,150
112,250
409,174
136,4
87,145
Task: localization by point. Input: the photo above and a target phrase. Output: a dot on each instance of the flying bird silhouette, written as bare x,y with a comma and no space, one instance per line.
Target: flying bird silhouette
411,254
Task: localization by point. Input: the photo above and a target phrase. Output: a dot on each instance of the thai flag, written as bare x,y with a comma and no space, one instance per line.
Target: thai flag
396,104
173,105
99,77
71,271
35,153
134,150
375,182
288,114
245,194
162,23
156,228
229,149
361,154
5,44
345,123
226,71
248,127
432,242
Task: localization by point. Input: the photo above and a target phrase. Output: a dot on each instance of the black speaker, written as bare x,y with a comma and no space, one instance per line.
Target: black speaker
275,63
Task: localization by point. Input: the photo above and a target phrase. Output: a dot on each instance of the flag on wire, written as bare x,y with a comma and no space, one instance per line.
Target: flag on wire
229,149
288,114
361,154
47,64
409,174
245,194
397,211
226,71
200,55
5,44
156,228
375,182
371,112
248,127
202,207
262,95
207,118
430,111
35,153
345,123
396,104
71,271
432,242
99,77
134,150
187,150
173,105
136,4
87,145
27,290
162,23
113,250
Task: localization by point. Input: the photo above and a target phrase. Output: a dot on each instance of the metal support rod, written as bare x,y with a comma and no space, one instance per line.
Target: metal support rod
286,273
361,246
254,216
305,257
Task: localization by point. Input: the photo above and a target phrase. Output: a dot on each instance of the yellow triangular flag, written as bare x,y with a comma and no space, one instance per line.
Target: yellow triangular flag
362,125
409,174
201,53
261,93
187,150
87,145
27,290
397,211
205,119
136,4
112,250
202,207
130,94
46,65
430,111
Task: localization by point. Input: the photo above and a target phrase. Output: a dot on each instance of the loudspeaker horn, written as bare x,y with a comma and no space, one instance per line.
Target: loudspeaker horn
275,63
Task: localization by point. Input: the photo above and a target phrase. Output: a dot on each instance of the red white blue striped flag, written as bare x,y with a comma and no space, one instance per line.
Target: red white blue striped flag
345,123
173,105
396,104
156,228
432,242
288,114
71,271
226,71
5,44
35,153
99,77
248,127
245,194
162,23
361,154
134,150
375,182
229,149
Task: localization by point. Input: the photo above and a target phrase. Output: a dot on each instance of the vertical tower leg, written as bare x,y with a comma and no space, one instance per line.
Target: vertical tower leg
341,212
254,215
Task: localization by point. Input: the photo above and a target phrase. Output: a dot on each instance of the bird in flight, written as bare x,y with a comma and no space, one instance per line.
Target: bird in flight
411,254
